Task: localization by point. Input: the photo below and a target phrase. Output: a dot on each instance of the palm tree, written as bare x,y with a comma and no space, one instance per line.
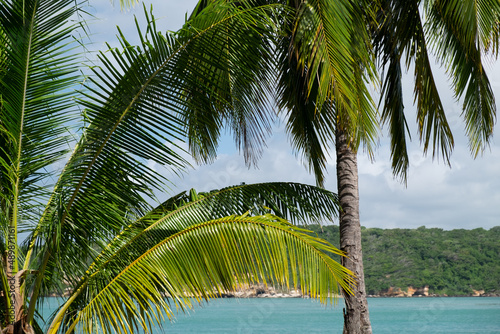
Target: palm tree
321,64
89,225
325,56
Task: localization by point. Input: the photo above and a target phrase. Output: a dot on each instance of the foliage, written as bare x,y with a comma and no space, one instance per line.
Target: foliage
461,35
318,74
87,214
449,262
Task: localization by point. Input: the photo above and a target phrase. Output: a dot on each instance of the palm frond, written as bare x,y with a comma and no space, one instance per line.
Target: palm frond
402,35
203,261
39,68
310,130
238,55
295,202
324,66
461,31
387,45
324,63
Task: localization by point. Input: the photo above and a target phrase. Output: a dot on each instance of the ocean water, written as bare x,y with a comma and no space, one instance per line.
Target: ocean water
296,315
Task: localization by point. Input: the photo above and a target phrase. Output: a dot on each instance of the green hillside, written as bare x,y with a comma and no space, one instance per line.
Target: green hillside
449,262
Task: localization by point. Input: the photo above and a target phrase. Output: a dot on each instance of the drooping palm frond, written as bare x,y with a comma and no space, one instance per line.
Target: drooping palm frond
201,262
39,69
461,32
308,127
401,35
388,46
323,63
332,41
240,63
297,202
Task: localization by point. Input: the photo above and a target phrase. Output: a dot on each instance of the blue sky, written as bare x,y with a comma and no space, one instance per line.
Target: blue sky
464,196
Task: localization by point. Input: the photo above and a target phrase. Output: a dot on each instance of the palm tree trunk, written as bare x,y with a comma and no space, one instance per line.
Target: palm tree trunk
356,317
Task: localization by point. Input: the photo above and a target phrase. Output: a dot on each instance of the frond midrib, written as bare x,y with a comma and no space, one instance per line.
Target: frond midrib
16,194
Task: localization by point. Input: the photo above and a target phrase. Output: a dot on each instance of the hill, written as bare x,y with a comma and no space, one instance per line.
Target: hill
456,262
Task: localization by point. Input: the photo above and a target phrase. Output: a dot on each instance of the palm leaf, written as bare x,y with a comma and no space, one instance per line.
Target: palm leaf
203,261
461,32
239,61
308,128
39,69
388,45
401,34
297,202
323,64
292,201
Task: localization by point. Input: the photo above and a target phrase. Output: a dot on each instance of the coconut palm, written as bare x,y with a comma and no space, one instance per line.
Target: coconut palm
324,57
76,186
322,64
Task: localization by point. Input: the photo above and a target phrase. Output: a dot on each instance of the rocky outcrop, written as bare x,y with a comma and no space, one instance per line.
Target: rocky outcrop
261,291
410,292
392,292
477,293
419,291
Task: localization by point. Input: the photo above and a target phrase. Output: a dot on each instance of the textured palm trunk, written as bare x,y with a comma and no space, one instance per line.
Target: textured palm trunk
16,316
356,317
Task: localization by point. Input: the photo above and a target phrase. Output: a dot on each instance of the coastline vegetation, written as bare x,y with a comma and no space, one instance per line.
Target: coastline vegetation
451,262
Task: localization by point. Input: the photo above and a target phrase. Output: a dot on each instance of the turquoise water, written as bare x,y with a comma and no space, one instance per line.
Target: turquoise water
295,315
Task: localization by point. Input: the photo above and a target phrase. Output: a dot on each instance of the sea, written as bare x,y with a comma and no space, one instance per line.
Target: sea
297,315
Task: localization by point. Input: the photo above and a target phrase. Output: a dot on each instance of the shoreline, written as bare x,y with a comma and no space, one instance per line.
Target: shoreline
261,291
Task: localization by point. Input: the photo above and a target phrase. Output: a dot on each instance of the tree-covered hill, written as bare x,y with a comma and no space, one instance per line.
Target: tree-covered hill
452,262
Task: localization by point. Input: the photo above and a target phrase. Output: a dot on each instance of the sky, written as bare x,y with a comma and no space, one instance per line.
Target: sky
465,196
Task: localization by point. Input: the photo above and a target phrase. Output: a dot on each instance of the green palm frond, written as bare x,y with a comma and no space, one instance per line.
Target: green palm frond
323,65
38,71
462,31
401,34
330,39
238,56
298,203
309,128
388,46
203,261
